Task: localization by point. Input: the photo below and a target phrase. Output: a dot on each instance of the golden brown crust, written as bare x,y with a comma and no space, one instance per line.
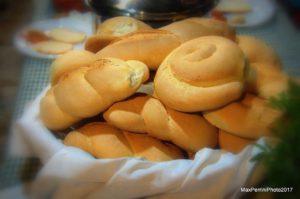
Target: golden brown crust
82,93
149,47
144,114
68,62
55,117
204,73
120,26
266,78
266,81
105,141
96,42
249,118
257,51
194,27
111,29
233,143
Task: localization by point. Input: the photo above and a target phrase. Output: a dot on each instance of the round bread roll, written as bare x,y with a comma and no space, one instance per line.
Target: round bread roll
87,91
249,118
194,27
105,141
201,74
111,29
266,81
149,47
66,35
257,51
144,114
121,25
52,47
70,61
232,143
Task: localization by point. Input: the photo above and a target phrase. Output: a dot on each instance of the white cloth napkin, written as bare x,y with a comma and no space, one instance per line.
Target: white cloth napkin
69,172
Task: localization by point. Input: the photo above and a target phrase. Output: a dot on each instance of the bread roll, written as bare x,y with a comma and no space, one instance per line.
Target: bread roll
232,143
201,74
194,27
96,42
150,47
111,29
265,76
144,114
52,47
266,81
249,118
66,35
105,141
70,61
120,26
257,51
87,91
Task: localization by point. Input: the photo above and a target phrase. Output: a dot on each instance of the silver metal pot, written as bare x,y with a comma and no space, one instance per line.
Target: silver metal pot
152,10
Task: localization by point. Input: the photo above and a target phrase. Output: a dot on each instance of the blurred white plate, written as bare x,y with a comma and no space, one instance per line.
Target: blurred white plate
262,11
75,24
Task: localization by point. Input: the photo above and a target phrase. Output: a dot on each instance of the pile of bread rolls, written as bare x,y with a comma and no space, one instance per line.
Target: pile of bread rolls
210,89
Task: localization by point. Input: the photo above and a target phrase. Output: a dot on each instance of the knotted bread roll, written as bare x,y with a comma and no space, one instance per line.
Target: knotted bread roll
194,27
249,118
145,114
111,29
148,46
105,141
201,74
87,91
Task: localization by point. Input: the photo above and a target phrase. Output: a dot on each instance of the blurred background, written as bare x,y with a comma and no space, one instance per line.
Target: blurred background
13,16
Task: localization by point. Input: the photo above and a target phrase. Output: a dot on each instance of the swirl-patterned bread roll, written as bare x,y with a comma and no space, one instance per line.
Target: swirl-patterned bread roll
105,141
89,90
201,74
145,114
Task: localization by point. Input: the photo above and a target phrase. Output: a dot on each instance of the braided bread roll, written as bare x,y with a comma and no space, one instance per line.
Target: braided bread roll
201,74
111,29
250,118
194,27
70,61
87,91
148,46
105,141
144,114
